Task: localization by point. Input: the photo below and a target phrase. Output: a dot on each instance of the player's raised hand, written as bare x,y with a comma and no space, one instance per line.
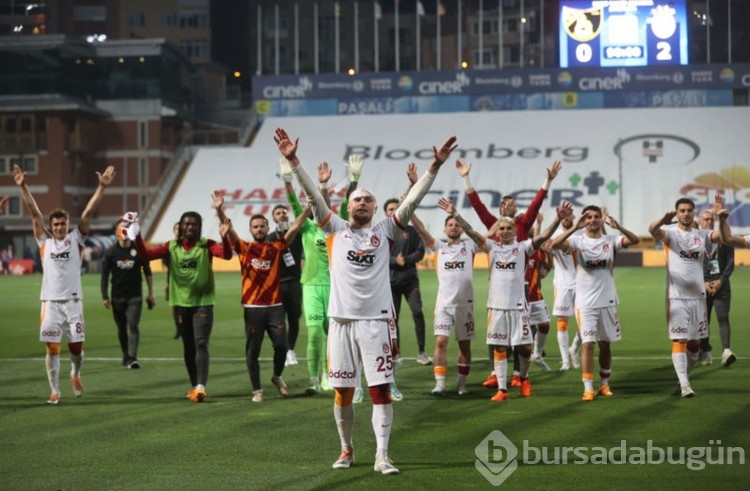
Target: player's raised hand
463,167
287,148
106,178
554,170
324,173
217,199
668,218
411,172
354,166
447,205
442,153
718,204
18,175
565,210
225,227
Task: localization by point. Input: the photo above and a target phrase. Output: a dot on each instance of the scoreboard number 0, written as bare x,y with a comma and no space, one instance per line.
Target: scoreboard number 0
583,53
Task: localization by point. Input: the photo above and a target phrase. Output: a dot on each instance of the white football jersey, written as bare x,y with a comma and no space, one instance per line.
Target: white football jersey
507,268
684,252
359,266
455,272
61,262
564,273
595,259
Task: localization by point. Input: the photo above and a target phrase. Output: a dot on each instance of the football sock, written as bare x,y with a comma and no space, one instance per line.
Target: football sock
440,372
52,363
382,418
501,369
679,360
344,417
524,362
588,382
604,375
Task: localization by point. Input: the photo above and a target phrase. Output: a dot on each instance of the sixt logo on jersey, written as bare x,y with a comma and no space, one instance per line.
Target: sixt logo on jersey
125,264
455,265
61,256
690,254
597,264
188,264
258,264
509,265
360,258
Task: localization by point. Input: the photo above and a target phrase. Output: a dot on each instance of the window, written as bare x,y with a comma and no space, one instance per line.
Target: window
168,20
196,48
193,19
142,134
142,172
25,125
487,58
488,27
26,163
11,126
14,207
137,19
89,13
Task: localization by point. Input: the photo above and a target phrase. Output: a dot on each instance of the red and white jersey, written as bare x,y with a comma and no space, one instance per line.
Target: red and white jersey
359,265
564,275
61,262
455,272
595,259
507,268
684,251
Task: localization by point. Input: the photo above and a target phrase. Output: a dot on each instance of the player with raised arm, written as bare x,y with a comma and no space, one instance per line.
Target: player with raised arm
316,278
508,208
684,251
62,294
361,307
596,296
507,303
192,289
725,233
454,307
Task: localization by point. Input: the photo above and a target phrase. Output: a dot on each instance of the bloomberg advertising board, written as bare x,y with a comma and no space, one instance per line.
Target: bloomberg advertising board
636,162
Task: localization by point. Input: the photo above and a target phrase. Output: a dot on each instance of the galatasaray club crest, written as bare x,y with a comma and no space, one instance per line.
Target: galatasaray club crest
582,24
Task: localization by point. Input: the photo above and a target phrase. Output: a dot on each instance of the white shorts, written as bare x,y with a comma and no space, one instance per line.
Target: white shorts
62,317
355,342
508,327
687,318
600,324
462,317
564,303
538,313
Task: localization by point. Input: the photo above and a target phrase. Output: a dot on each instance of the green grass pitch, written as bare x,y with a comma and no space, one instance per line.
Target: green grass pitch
134,429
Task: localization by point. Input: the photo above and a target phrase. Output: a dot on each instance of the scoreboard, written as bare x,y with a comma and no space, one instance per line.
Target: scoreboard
616,33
